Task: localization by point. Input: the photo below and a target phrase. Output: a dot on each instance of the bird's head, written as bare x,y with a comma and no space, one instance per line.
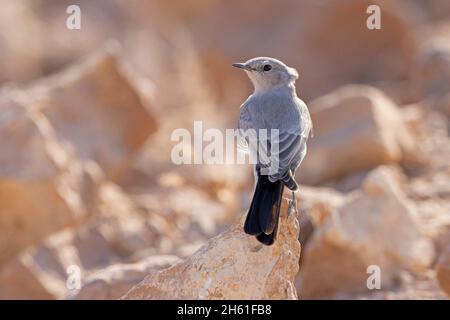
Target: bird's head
266,73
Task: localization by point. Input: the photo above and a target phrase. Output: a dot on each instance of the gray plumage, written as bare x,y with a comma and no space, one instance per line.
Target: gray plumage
276,106
273,105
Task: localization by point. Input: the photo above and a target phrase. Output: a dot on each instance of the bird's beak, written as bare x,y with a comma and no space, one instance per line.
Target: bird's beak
241,66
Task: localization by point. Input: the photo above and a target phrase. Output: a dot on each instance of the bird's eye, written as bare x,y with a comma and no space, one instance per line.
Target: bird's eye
267,67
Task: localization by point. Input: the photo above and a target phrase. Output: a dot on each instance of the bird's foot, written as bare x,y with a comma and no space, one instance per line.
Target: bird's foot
292,208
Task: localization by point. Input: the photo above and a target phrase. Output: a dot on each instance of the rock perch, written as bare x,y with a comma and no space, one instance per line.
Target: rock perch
232,265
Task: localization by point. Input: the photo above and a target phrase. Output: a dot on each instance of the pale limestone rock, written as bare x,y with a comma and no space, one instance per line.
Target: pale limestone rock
443,105
42,272
184,219
443,271
301,33
21,48
232,265
375,226
94,107
432,76
319,203
115,280
411,286
316,205
114,231
356,128
43,186
52,132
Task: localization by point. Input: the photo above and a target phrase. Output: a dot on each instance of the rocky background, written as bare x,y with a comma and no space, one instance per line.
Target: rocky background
91,206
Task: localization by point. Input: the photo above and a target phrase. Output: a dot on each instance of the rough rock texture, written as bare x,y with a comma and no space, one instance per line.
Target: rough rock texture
115,280
443,271
94,107
357,128
43,186
375,226
232,265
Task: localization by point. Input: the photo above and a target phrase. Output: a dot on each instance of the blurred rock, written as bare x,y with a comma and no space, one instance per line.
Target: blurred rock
220,181
411,286
319,203
21,48
43,186
413,117
94,108
443,271
115,280
432,75
232,265
443,105
300,33
435,221
356,128
431,194
183,211
42,272
316,205
100,21
436,9
375,226
113,233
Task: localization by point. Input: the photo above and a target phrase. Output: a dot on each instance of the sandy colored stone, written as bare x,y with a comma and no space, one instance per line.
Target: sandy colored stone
182,215
232,265
432,69
443,105
43,186
301,37
115,280
443,271
319,203
411,286
94,107
21,48
356,128
113,233
42,272
375,226
52,134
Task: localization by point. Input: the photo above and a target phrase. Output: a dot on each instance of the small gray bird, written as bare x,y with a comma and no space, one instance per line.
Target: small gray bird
273,105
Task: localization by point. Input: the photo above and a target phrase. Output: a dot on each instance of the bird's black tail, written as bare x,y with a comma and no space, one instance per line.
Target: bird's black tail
264,212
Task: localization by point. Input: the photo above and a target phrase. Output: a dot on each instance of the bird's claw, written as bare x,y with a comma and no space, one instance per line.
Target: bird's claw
292,204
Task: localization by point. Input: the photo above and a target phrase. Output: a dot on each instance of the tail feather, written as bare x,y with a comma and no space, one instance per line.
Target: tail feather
267,239
251,225
263,215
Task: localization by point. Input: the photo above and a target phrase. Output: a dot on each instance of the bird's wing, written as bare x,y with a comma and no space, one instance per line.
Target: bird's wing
305,120
245,125
291,116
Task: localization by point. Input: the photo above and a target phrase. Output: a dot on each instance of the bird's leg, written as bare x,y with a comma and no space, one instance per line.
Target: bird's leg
292,204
